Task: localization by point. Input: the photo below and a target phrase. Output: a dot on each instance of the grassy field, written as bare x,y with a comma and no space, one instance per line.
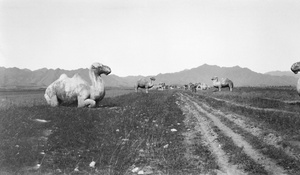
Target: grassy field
127,131
36,97
138,132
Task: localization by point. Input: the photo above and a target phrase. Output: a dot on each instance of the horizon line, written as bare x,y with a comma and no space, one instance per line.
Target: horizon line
142,75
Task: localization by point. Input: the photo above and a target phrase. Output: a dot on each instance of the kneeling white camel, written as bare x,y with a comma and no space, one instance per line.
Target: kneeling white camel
67,90
223,83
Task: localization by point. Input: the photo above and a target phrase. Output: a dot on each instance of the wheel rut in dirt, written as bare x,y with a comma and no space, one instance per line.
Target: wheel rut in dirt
206,122
267,135
209,139
254,108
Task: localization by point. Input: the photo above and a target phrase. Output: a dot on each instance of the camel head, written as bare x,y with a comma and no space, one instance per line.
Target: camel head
214,78
162,84
152,79
295,67
99,69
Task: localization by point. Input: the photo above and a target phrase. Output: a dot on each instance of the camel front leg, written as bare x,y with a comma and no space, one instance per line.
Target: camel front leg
86,102
146,89
298,86
53,101
90,103
219,88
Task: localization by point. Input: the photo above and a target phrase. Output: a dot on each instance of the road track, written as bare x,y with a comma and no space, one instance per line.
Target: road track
206,120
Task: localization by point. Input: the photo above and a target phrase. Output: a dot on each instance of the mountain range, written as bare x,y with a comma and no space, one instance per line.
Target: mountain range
41,78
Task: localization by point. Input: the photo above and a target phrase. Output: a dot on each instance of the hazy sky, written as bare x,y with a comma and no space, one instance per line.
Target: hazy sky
147,37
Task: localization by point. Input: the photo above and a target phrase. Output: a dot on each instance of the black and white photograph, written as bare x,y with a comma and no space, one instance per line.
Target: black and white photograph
149,87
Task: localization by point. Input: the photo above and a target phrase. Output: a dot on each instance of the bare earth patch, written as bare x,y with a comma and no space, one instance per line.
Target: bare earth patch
207,120
209,138
269,136
255,108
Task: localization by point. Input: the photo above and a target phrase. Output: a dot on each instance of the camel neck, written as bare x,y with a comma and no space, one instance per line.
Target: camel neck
96,80
151,83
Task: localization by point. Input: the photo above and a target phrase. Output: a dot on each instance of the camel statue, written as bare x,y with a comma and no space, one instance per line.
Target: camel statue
161,86
174,87
202,86
223,83
192,87
296,68
144,83
67,90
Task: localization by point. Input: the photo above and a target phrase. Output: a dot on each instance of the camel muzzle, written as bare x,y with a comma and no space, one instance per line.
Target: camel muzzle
295,71
107,70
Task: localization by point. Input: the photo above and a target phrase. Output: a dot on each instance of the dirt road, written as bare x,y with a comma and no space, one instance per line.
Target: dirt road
231,151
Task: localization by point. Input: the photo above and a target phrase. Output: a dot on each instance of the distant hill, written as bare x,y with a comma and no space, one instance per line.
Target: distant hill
240,76
25,78
283,73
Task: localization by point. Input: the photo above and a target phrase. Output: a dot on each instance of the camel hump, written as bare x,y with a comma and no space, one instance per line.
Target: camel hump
76,75
228,80
77,79
225,80
142,81
63,76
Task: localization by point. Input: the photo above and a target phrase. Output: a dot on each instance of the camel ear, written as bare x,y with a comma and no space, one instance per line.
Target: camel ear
96,65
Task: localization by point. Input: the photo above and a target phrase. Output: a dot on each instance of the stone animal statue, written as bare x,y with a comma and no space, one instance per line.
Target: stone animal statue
144,84
161,86
193,87
202,86
186,87
296,68
173,87
67,90
223,83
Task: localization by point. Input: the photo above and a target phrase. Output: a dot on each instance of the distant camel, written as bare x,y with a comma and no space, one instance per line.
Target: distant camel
161,86
144,83
202,86
223,83
173,87
193,87
69,90
296,68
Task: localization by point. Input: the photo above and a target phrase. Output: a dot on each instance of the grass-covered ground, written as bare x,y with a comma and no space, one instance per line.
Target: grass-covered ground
263,97
131,133
125,132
